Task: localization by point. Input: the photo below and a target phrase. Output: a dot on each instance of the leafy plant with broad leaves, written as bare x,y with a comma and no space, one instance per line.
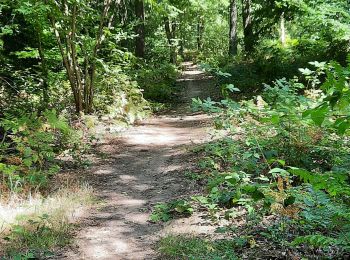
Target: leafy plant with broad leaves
163,212
29,147
284,153
334,109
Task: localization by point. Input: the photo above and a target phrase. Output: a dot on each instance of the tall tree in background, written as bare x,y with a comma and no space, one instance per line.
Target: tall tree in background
283,30
200,32
233,28
170,30
247,25
140,28
36,16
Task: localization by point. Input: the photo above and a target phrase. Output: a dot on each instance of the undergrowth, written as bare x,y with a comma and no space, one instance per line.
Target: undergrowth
34,228
277,170
158,81
178,247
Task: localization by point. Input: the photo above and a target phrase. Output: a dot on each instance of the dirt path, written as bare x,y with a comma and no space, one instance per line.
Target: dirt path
145,167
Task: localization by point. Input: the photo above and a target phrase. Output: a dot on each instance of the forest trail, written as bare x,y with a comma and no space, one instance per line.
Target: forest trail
145,166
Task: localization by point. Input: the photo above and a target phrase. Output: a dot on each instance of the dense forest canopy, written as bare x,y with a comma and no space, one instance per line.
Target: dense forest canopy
45,44
282,68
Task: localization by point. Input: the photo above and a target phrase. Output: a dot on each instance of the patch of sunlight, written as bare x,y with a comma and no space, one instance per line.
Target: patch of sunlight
142,187
104,250
192,225
131,202
64,205
193,72
153,137
104,171
121,246
140,218
127,178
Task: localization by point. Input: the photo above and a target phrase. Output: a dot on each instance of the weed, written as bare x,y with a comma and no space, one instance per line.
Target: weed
283,156
166,211
34,228
182,247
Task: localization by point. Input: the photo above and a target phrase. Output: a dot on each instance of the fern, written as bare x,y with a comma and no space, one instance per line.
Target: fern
314,240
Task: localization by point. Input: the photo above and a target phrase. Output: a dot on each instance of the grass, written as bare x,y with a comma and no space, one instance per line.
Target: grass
184,247
32,228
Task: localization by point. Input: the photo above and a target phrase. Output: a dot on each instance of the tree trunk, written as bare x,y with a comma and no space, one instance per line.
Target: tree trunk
81,76
88,102
182,47
283,30
170,30
140,29
44,71
233,28
247,26
200,31
182,37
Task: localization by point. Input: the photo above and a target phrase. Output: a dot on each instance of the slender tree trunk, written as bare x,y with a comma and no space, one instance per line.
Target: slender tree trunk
182,46
200,32
67,65
123,12
71,38
81,75
99,39
44,71
283,30
140,29
182,37
233,28
170,30
247,26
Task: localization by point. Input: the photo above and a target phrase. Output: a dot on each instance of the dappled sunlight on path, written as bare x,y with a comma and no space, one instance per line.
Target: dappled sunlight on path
143,169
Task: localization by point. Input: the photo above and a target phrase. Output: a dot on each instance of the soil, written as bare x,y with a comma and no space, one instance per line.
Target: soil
145,166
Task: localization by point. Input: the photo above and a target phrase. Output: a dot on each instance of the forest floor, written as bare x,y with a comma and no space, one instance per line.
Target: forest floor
144,166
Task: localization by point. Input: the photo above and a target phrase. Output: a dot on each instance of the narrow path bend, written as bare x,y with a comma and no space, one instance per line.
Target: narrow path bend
144,167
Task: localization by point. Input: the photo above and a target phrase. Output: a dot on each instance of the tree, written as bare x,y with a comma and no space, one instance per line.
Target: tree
170,30
140,28
80,52
233,43
247,26
200,32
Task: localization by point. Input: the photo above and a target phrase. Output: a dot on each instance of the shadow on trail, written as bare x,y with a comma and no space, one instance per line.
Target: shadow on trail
145,166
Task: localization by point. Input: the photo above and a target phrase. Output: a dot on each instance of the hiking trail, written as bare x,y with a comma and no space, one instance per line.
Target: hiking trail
145,166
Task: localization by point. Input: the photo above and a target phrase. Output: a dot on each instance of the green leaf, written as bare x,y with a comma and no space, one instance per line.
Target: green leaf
342,124
27,162
318,115
232,88
289,201
279,172
257,195
307,113
314,240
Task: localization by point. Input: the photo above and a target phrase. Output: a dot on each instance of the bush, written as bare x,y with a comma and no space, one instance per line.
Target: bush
120,97
284,157
272,61
158,81
29,147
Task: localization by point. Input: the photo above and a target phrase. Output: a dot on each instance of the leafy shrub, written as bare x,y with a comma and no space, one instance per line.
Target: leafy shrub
284,155
29,147
272,61
165,211
119,97
158,81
